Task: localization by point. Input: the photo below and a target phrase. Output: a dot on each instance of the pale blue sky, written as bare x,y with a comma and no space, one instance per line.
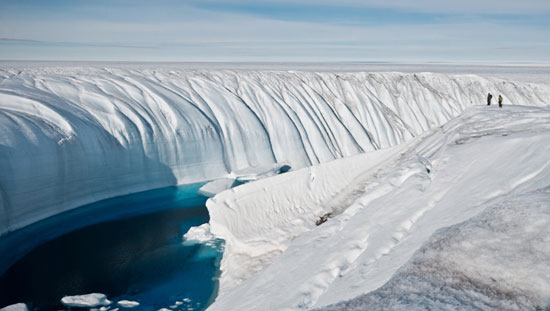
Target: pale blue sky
277,30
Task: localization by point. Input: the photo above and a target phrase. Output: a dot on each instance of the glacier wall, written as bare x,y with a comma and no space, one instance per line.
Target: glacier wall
73,135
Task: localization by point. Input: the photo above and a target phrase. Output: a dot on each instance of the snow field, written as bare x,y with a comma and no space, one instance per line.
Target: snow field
497,260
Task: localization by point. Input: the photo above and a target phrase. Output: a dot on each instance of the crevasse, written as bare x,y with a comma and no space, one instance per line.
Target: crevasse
70,136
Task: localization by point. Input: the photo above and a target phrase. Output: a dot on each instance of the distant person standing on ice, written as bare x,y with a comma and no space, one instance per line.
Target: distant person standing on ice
489,97
500,99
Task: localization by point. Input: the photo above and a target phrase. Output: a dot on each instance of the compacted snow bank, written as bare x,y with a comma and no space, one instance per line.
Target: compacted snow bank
259,220
379,208
73,135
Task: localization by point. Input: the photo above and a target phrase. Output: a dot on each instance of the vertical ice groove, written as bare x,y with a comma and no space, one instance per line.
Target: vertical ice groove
313,126
300,128
261,121
73,135
268,103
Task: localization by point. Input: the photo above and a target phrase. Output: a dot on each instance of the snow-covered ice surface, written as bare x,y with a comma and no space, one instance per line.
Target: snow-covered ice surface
522,72
74,135
495,261
382,207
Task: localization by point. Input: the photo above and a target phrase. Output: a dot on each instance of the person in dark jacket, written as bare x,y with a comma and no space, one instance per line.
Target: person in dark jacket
500,99
489,97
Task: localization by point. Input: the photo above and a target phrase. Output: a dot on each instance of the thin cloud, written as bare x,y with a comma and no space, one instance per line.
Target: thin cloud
195,34
424,6
18,40
69,44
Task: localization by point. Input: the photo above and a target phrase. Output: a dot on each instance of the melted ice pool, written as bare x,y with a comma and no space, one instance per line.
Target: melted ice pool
129,248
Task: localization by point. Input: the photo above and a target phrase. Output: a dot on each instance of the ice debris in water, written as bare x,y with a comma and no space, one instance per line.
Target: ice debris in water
128,304
200,234
88,300
15,307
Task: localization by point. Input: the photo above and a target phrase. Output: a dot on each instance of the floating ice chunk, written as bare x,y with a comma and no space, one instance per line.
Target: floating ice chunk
128,303
15,307
88,300
200,234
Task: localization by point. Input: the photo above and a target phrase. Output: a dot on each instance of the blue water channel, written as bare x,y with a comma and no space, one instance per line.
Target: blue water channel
129,247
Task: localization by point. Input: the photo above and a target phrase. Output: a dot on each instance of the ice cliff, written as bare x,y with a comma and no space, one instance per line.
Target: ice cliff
74,135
